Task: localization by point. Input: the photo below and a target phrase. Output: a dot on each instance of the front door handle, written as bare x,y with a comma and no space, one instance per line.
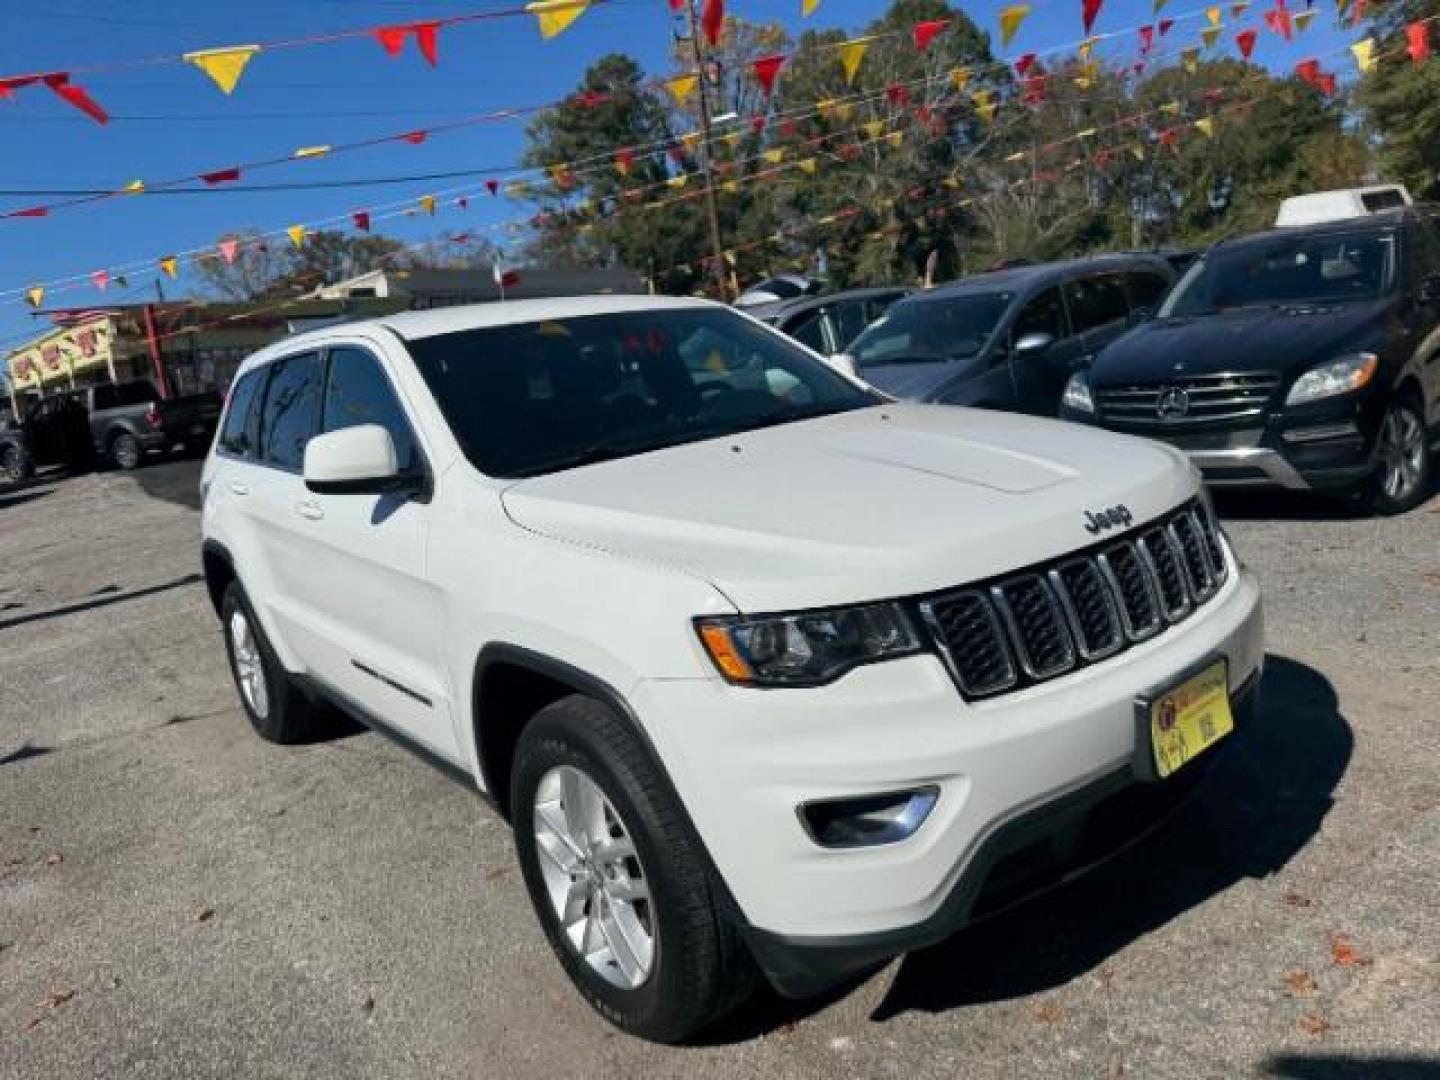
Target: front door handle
309,510
238,488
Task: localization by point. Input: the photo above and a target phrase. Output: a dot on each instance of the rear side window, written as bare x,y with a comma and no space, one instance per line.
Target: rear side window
1381,200
809,330
1146,289
236,434
849,319
1096,301
359,392
132,393
291,410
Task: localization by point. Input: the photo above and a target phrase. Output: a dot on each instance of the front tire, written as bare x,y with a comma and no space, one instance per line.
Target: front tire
12,464
126,452
278,711
617,878
1402,480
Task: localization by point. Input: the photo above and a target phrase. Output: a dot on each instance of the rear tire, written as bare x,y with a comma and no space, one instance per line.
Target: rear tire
600,836
12,464
278,710
125,451
1402,479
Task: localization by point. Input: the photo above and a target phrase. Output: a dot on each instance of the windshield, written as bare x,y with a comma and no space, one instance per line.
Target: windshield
534,398
930,330
1286,271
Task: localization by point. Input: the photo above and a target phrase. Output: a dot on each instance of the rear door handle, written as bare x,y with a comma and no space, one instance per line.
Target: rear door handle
238,488
309,510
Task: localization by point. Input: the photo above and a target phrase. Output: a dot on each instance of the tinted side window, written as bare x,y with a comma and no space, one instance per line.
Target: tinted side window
1042,315
235,435
104,397
849,319
1096,301
359,392
291,410
808,331
1146,289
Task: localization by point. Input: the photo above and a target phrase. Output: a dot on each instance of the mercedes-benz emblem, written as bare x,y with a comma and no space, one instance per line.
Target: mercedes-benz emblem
1172,404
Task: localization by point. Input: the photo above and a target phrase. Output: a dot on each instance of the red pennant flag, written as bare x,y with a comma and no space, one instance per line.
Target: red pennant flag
1025,63
1165,25
677,153
1278,20
1169,137
1138,67
1359,12
624,160
787,128
1088,10
712,19
1245,39
221,176
757,124
1034,89
923,114
76,96
591,98
924,32
899,96
415,138
100,279
426,34
1309,71
492,186
1417,38
676,5
1147,39
767,69
392,38
229,248
1102,158
33,211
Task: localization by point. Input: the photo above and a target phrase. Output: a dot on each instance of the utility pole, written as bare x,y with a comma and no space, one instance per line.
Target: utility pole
712,208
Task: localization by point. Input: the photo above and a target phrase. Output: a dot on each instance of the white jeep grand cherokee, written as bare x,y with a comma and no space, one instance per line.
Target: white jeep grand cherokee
770,674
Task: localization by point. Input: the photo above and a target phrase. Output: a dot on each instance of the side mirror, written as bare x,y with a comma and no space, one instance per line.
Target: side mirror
1430,289
355,461
845,364
1033,344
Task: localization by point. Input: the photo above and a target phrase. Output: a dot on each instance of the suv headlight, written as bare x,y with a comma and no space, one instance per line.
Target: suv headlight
1342,375
806,648
1077,394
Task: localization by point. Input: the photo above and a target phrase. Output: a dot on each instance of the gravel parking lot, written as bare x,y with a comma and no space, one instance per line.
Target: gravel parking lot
178,898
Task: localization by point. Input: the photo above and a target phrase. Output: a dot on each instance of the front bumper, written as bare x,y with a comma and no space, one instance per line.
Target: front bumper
744,760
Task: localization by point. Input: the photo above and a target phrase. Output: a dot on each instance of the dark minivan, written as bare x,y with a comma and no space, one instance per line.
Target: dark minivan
1304,357
1011,338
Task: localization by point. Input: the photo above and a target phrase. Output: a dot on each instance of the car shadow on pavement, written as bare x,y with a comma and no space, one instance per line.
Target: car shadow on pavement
1263,802
19,496
1276,504
1350,1067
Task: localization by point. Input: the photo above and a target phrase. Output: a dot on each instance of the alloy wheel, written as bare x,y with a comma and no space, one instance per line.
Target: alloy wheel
1402,453
593,877
249,665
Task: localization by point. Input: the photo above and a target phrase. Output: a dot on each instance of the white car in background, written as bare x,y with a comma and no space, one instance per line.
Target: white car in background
770,675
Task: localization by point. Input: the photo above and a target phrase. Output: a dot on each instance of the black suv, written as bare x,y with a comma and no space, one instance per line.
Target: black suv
1008,339
1303,357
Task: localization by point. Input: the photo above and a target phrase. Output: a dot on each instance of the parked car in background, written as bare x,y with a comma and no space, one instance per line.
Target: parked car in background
779,288
769,674
1008,339
125,421
830,322
1318,207
1303,358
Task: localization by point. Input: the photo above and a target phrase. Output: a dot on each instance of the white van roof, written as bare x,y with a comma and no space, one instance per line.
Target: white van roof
1321,206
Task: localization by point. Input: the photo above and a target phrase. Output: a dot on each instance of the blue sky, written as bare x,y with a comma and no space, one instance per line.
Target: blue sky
170,121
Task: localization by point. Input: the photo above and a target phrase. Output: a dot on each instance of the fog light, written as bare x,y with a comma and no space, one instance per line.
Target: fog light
1320,432
868,820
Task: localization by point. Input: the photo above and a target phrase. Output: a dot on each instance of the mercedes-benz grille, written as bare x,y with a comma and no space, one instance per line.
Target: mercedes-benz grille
1040,623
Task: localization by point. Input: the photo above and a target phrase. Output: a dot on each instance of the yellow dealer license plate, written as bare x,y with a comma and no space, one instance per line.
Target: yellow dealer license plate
1187,720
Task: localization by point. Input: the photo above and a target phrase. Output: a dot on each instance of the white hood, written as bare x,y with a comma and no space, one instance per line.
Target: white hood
884,502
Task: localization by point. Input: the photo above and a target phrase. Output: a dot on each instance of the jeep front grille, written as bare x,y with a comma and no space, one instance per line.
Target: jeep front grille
1040,623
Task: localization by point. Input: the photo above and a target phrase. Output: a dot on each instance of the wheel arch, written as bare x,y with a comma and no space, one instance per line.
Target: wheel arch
219,571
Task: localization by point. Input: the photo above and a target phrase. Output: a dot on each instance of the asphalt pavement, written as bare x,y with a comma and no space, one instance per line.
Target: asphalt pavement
180,899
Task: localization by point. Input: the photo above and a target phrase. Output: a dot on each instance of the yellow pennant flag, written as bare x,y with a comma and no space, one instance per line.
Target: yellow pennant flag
1016,157
312,151
851,54
135,187
224,66
682,86
1086,133
807,165
844,111
1206,126
555,16
517,189
36,295
1086,76
1210,35
427,203
1171,108
1302,19
297,235
874,128
691,141
1010,20
1138,151
1213,15
960,78
826,107
678,181
1086,48
170,265
775,156
895,138
1191,59
984,104
807,7
732,139
1365,58
730,187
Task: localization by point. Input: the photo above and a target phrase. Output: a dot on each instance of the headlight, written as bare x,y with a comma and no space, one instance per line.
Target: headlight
806,648
1077,394
1340,376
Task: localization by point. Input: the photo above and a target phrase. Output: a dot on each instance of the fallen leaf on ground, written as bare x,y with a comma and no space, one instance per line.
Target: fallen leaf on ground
1300,984
205,914
495,873
56,998
1295,899
1313,1024
367,1003
1344,954
54,859
1050,1013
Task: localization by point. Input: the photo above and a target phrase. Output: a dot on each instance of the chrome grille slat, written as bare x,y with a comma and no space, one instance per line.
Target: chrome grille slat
1208,398
1038,624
